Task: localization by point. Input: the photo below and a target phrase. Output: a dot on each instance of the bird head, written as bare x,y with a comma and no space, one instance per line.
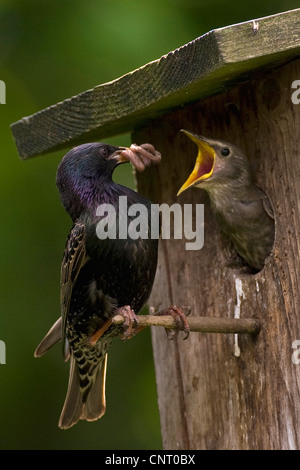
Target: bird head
217,163
90,161
82,169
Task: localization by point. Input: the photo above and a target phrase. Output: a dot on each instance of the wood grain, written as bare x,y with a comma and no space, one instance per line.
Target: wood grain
208,397
197,324
203,67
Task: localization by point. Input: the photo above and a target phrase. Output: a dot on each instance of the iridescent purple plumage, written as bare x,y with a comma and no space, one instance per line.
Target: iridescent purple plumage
97,276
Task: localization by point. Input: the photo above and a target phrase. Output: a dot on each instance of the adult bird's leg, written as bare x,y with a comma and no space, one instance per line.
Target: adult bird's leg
179,314
130,325
130,322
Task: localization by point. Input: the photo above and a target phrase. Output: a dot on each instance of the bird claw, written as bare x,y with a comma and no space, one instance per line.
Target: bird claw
179,314
130,324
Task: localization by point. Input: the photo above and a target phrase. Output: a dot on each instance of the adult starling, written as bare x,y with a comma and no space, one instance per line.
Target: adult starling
243,210
99,278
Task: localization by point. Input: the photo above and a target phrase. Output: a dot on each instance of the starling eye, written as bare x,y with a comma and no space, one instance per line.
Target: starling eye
103,152
225,152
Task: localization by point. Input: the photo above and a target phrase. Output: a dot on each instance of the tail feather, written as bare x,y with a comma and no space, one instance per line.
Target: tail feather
52,337
74,407
95,405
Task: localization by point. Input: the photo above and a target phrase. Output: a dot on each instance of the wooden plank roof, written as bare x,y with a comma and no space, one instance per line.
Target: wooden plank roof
203,67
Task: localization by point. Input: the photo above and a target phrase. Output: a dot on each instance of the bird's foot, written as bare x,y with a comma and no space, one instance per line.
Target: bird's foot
130,324
248,270
179,314
239,266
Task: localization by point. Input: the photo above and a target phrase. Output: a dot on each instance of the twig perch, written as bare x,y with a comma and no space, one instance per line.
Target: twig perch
199,324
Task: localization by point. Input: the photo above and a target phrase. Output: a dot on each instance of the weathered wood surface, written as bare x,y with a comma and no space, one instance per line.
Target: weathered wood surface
205,66
209,398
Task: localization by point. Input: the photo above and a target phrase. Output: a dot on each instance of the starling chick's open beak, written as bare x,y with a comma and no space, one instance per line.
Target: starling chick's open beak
243,211
218,163
205,161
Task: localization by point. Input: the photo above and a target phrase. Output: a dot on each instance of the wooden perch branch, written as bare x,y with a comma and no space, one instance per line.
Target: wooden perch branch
199,324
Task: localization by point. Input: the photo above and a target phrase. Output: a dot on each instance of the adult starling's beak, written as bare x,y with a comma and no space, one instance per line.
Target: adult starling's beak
119,155
205,161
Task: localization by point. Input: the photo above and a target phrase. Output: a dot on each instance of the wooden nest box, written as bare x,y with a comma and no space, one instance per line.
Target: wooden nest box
239,83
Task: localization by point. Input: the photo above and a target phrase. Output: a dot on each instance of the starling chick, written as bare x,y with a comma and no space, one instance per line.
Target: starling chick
98,277
243,211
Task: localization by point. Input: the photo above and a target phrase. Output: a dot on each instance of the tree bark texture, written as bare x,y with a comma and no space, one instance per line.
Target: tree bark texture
218,391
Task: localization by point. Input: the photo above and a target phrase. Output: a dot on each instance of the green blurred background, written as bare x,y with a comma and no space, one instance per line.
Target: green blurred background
51,50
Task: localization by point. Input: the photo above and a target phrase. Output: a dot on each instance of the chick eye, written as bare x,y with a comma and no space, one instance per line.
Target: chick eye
103,152
225,152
